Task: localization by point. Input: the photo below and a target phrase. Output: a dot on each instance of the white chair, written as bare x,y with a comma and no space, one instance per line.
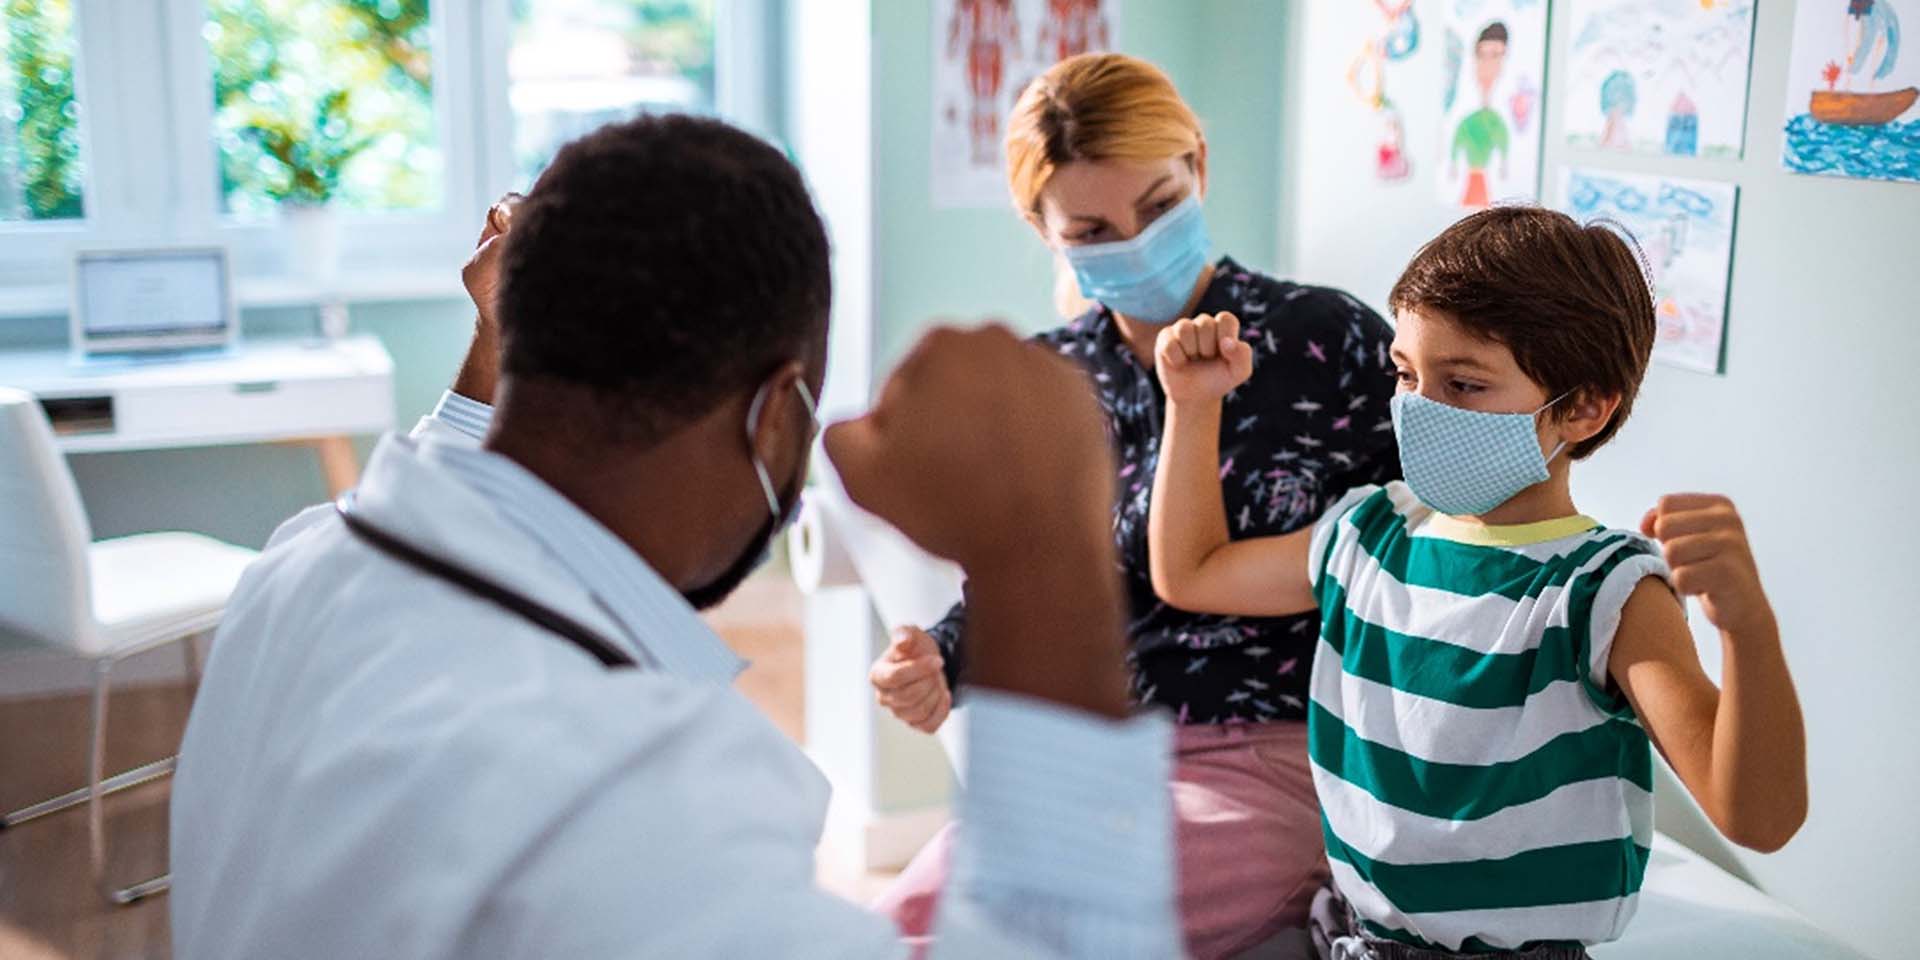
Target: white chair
102,602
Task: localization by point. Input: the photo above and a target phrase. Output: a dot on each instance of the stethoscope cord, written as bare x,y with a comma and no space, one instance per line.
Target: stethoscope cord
526,607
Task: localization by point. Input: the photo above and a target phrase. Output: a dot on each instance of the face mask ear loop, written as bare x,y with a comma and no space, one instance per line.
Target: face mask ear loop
1549,405
753,452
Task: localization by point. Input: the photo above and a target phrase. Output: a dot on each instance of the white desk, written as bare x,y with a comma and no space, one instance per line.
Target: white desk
314,392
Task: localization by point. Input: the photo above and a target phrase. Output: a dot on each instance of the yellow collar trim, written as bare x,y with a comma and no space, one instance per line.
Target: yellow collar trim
1509,535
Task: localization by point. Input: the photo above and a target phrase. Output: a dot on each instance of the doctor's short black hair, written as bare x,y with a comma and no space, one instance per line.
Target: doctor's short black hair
664,264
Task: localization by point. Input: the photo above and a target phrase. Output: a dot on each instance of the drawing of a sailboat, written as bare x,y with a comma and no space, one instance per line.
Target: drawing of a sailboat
1861,109
1879,32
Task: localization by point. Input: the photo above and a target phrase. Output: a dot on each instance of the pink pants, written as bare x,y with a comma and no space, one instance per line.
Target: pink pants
1246,828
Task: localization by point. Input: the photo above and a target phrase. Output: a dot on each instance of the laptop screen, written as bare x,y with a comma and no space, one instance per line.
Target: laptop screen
152,298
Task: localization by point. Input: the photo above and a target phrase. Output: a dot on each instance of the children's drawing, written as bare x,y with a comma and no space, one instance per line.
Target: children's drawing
1685,230
1660,76
984,53
1398,38
1850,95
1491,141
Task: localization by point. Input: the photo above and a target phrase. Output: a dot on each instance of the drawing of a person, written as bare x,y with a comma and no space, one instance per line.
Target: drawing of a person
985,30
1878,28
1483,132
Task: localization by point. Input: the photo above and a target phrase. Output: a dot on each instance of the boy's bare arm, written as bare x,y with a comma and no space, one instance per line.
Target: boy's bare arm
1741,749
1194,563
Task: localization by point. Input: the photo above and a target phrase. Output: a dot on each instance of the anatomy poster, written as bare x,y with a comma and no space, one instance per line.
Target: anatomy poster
1491,92
984,53
1660,76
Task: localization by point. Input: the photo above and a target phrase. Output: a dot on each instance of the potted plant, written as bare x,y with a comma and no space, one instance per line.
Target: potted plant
302,161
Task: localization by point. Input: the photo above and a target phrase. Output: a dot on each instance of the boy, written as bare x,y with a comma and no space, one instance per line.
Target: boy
1492,665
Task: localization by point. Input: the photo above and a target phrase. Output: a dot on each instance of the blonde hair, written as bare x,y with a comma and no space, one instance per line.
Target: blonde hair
1096,106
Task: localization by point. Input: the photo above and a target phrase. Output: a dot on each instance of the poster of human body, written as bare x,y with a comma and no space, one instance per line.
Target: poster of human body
1685,230
1851,92
984,53
1660,76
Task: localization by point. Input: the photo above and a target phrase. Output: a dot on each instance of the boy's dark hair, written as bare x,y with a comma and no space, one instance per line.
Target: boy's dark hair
663,263
1496,32
1571,302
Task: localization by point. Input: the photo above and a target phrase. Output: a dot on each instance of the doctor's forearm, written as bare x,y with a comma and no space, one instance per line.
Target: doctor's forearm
1038,625
480,371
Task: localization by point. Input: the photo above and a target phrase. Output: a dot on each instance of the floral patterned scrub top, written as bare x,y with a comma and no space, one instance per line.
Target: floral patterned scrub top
1310,424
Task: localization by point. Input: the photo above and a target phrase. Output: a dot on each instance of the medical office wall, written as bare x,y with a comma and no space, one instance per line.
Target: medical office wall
1809,428
932,262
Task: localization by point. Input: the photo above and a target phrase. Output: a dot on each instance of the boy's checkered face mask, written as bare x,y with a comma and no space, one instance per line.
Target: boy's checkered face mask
1464,462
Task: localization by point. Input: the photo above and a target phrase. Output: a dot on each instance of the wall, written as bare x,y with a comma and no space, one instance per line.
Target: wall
1812,413
1224,55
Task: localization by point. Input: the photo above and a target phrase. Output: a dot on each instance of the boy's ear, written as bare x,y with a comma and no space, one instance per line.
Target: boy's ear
1585,414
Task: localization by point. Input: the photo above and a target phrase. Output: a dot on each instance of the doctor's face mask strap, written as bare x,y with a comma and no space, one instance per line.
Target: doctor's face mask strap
1571,302
782,512
782,508
665,264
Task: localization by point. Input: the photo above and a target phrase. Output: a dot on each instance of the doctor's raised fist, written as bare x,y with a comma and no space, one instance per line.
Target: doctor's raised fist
981,447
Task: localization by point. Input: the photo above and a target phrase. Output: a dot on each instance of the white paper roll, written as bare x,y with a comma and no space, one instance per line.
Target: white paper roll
909,586
818,557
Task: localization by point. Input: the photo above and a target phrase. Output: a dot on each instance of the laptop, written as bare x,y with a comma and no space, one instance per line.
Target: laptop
154,301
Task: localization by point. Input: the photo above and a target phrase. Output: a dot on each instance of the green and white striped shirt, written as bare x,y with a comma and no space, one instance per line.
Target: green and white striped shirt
1481,785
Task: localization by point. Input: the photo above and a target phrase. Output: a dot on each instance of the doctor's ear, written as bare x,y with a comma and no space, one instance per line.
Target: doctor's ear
782,409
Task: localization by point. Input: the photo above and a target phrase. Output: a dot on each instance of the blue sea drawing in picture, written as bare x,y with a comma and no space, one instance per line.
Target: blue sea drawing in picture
1850,93
1685,230
1660,76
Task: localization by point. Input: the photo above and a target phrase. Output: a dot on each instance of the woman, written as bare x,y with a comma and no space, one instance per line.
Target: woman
1109,165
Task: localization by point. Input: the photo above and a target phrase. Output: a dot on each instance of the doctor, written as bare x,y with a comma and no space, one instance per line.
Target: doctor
470,711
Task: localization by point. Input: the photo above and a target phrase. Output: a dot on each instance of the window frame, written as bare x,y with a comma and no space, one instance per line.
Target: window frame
369,239
147,182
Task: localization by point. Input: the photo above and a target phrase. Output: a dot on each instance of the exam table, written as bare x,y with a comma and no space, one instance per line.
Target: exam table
1690,908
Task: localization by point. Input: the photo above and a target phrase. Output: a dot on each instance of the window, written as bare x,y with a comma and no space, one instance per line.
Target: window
41,173
319,101
150,122
576,64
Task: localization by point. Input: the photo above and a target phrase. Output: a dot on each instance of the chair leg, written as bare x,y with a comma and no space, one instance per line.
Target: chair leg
190,650
96,815
125,780
146,773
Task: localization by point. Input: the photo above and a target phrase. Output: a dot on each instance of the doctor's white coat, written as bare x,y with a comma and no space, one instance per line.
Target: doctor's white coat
381,765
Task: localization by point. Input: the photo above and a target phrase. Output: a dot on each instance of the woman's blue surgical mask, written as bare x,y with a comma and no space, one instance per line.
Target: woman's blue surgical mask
1150,277
1464,462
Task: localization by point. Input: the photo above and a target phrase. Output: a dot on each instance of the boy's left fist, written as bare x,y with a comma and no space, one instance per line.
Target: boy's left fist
1706,546
1202,358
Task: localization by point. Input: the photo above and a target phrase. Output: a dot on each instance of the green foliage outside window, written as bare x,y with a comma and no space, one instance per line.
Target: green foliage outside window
40,171
317,101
